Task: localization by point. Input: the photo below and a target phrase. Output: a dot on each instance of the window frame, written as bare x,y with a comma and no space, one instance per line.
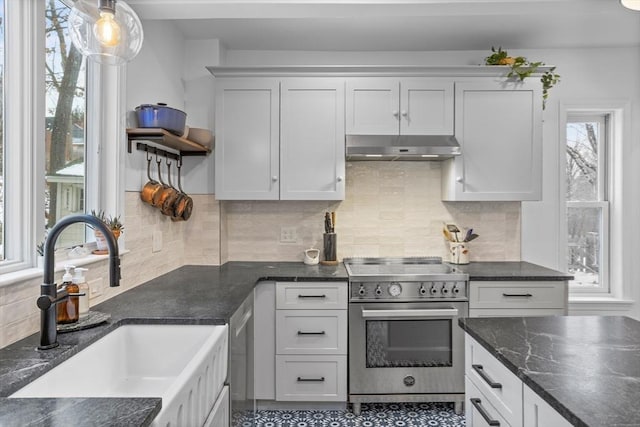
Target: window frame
620,245
601,199
24,171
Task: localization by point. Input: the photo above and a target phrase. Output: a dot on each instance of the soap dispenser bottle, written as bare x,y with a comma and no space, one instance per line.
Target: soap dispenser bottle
67,310
83,291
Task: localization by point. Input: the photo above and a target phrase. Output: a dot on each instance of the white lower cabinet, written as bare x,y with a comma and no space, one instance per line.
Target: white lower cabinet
311,378
497,397
479,410
518,298
311,331
219,415
499,386
538,413
311,341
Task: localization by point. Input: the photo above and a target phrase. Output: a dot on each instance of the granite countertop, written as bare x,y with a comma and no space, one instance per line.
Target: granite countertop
510,270
187,295
586,367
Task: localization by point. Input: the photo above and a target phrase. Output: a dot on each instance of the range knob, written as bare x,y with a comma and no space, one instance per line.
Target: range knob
378,290
455,290
445,290
362,291
422,290
433,290
395,289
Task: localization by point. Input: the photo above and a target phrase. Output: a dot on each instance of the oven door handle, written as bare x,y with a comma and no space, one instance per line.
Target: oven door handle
412,313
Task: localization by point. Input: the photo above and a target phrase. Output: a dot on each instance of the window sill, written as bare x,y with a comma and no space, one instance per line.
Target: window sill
595,304
8,279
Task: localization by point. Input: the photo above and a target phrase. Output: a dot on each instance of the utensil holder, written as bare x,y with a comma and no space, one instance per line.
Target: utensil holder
458,253
330,241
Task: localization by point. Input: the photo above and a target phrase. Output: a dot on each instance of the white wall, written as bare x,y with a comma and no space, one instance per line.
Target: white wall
171,70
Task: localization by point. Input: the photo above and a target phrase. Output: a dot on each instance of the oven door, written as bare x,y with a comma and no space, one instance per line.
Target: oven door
406,348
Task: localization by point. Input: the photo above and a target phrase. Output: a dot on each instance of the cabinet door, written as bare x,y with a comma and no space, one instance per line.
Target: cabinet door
312,162
247,139
372,106
500,131
426,107
265,340
538,413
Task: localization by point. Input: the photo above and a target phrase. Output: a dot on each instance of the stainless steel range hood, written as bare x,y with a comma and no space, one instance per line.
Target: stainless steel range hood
406,147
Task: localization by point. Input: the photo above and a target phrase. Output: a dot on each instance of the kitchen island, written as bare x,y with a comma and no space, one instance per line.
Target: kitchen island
586,368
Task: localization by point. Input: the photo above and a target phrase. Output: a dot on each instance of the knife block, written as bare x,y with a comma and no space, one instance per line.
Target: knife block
330,249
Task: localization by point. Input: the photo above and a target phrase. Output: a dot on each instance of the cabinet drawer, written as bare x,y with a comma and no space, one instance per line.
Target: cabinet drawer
552,294
501,388
479,412
314,295
311,331
311,378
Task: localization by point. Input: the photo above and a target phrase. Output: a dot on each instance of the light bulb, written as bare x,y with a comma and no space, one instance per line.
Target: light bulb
107,30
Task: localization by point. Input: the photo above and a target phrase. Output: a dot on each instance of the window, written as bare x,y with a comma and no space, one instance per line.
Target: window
587,201
65,77
46,147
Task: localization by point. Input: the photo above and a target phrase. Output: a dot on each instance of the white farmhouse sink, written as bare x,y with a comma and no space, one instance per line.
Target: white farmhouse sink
185,365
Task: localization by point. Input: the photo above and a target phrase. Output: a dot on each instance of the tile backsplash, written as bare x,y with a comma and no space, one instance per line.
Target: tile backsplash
390,209
194,242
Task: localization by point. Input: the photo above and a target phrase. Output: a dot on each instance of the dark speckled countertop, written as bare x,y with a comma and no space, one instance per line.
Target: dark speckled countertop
586,367
510,270
190,295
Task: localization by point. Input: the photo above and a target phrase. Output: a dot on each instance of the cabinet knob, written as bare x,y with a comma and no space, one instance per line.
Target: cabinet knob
339,179
459,179
404,113
274,178
395,113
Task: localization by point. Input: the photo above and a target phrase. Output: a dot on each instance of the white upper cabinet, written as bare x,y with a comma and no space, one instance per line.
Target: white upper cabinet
247,139
312,161
280,139
499,127
388,106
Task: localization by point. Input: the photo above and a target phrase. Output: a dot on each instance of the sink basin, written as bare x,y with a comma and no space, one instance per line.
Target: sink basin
185,365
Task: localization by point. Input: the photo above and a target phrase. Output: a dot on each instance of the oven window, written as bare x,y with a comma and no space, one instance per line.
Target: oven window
409,343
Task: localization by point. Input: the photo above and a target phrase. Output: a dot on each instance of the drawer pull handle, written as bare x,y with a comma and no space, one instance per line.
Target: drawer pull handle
478,405
311,333
312,296
517,295
480,370
311,380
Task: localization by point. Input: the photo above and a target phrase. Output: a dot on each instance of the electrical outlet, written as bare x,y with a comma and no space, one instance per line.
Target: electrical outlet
95,287
288,234
156,245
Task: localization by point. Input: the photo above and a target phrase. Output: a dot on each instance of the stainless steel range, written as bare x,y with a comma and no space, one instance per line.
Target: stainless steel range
404,340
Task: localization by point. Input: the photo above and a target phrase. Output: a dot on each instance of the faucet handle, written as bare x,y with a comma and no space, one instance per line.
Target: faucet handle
45,301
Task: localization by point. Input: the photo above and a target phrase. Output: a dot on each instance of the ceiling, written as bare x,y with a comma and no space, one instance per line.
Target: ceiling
399,25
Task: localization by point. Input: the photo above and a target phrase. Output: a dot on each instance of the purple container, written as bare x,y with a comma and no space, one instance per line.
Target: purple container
160,116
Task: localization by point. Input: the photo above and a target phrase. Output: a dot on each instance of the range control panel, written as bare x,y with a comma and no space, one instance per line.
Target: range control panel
408,291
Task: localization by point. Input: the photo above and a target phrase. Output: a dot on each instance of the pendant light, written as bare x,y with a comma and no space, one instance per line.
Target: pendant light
631,4
106,31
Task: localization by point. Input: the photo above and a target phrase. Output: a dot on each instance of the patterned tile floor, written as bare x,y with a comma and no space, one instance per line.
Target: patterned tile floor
372,415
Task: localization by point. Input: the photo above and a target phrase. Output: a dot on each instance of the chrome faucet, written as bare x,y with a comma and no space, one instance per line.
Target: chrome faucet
50,297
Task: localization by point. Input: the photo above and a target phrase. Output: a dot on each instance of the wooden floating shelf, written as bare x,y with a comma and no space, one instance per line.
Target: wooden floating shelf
167,139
